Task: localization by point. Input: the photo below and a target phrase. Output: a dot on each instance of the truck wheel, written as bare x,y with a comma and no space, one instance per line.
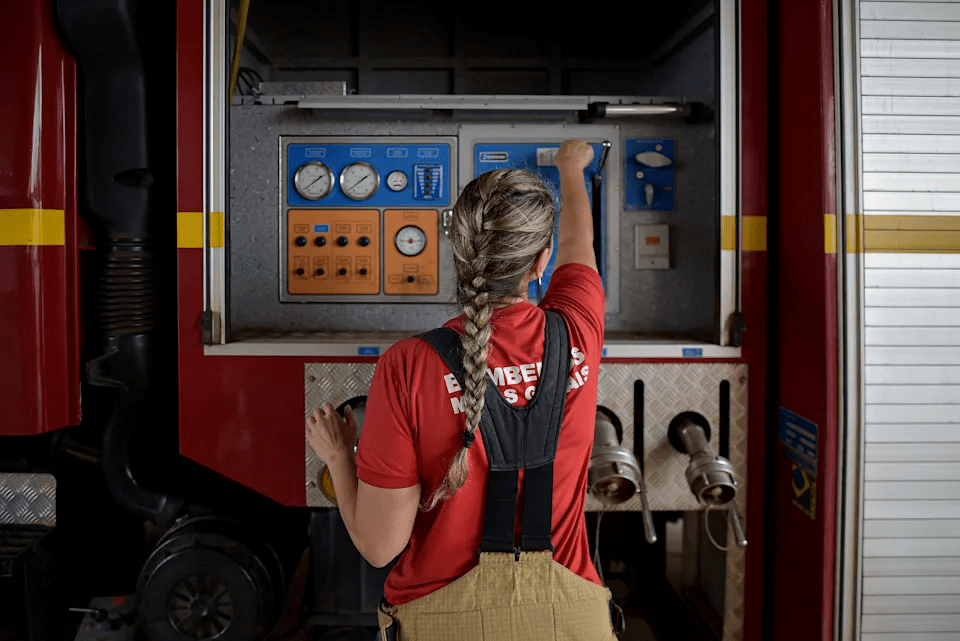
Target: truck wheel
210,579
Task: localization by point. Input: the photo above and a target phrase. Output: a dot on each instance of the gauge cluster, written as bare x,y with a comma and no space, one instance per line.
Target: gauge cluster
361,217
374,174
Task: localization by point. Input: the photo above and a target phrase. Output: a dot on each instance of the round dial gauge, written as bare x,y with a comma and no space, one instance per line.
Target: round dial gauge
397,180
313,181
410,240
359,180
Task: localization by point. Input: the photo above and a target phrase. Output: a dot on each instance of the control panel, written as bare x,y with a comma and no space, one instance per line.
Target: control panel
537,157
410,251
334,251
361,218
484,147
649,181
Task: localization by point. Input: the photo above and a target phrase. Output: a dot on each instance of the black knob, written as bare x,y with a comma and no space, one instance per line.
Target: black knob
300,241
299,271
320,241
342,271
363,271
319,271
342,241
410,279
363,241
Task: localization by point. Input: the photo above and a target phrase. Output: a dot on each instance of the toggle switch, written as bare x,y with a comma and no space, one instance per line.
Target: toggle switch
648,193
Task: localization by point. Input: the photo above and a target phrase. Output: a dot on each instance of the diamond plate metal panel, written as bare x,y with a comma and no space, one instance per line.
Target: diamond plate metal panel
329,383
29,499
669,389
733,591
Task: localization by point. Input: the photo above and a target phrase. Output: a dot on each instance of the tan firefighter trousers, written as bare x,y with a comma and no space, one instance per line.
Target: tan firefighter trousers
533,599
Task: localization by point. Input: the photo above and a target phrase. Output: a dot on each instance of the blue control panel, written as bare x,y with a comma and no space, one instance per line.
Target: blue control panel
649,180
425,167
490,156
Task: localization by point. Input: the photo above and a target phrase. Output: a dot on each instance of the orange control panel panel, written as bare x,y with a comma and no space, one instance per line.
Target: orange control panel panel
333,251
410,251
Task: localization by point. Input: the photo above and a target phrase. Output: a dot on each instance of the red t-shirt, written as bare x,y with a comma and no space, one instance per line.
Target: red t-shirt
414,421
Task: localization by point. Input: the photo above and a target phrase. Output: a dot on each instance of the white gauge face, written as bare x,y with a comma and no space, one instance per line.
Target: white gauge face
397,180
410,240
313,180
359,181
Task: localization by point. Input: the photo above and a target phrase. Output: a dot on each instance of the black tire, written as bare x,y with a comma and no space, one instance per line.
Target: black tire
210,579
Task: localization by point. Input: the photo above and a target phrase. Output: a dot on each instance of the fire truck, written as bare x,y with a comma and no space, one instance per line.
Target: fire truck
217,214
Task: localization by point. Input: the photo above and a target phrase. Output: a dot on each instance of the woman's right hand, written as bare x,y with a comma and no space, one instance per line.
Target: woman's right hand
573,154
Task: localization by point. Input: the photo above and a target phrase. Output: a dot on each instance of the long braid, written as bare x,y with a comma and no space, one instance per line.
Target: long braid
502,221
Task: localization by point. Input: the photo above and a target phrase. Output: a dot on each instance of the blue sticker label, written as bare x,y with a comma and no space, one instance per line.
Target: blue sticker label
368,350
494,156
360,152
315,152
396,152
428,152
321,229
799,438
692,352
604,353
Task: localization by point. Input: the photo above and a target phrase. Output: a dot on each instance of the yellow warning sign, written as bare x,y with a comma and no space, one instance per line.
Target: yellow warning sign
805,491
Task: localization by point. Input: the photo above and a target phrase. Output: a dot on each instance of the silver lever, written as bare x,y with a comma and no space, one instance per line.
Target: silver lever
648,530
740,537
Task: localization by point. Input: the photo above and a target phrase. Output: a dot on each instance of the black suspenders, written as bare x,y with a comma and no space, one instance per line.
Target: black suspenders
518,438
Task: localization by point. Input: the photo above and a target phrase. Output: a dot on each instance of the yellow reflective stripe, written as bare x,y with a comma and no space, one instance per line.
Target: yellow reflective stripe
830,233
854,233
880,233
728,233
190,229
936,242
754,236
32,227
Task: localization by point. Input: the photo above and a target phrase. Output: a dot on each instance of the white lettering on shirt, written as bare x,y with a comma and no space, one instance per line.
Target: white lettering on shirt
578,356
522,373
453,385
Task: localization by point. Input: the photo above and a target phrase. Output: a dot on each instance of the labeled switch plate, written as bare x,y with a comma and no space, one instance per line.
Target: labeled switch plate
652,243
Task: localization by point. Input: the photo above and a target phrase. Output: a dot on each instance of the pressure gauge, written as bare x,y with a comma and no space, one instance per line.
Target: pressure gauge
397,180
410,240
359,180
313,181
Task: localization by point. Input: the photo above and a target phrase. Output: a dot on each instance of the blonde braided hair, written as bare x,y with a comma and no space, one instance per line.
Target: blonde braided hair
501,222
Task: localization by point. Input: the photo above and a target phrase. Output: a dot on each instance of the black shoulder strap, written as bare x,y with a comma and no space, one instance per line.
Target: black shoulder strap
518,438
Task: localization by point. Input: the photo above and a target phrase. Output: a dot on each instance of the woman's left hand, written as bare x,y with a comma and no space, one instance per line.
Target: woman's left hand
331,437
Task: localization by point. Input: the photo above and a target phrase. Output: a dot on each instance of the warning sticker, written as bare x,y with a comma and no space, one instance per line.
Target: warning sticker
805,492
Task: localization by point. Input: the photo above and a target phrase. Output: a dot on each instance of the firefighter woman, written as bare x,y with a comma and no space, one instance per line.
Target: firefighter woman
490,531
